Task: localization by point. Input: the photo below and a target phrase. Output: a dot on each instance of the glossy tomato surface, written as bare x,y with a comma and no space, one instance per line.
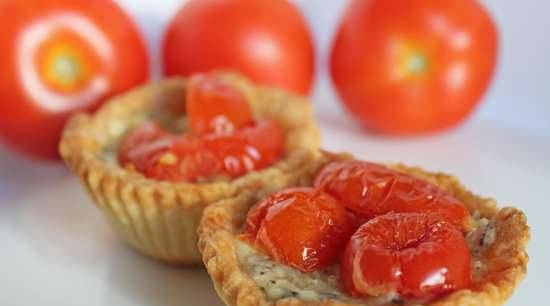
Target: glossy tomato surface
59,57
143,142
215,106
251,148
189,158
300,227
371,189
266,40
412,254
408,67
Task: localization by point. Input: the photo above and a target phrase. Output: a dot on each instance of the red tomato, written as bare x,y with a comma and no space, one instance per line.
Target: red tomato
159,155
162,156
268,137
412,254
59,57
409,67
266,40
186,161
372,189
215,106
141,142
320,228
249,149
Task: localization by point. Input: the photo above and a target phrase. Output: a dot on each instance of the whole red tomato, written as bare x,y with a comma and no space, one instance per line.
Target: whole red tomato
408,67
59,57
266,40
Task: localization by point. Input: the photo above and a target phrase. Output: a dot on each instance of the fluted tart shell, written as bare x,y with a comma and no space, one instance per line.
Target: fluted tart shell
505,260
160,218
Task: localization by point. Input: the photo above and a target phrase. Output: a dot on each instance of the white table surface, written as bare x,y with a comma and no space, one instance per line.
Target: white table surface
56,249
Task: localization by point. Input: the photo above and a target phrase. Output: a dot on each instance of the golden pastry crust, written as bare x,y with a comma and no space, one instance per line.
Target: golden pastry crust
160,218
506,258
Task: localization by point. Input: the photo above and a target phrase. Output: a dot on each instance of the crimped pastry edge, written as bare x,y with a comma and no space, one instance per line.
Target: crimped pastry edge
506,258
160,218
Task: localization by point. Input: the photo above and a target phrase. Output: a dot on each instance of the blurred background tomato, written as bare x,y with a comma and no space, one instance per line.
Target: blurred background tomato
410,67
60,57
267,40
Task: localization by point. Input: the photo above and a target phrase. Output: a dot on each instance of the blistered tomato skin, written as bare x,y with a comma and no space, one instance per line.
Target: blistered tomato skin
163,156
268,137
412,254
142,143
300,227
160,155
215,106
371,189
225,140
248,149
60,57
185,161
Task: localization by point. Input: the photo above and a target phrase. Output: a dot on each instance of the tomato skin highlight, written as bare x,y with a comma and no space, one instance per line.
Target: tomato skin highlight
248,149
413,67
320,228
214,106
66,62
259,45
415,255
186,160
371,189
131,148
163,156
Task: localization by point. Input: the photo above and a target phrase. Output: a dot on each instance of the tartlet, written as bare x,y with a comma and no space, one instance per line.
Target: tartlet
159,218
239,278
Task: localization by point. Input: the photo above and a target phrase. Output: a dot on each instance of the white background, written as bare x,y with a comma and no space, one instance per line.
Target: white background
57,250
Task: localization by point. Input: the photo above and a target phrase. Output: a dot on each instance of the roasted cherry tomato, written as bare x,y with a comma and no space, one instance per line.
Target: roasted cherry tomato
372,189
268,137
319,228
142,142
60,57
248,149
245,36
215,106
410,67
160,155
187,160
413,254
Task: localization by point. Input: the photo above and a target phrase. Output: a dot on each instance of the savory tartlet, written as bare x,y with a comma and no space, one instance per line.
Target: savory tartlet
243,273
159,217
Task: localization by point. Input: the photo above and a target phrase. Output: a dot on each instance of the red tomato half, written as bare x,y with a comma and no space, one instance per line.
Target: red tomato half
214,106
60,57
266,40
251,148
412,254
157,154
142,143
186,161
409,67
371,189
300,227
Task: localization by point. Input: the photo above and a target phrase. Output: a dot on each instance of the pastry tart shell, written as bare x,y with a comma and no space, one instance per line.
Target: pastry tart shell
160,218
505,259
